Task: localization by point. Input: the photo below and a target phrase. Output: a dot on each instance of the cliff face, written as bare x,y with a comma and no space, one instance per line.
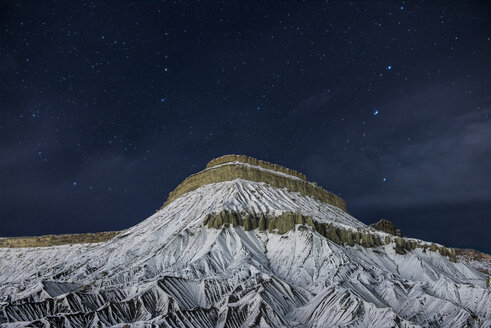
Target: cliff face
286,221
231,167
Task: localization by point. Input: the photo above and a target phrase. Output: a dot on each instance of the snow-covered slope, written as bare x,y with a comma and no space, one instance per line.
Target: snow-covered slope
172,270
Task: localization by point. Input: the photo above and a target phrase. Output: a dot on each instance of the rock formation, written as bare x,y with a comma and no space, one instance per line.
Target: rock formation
55,240
242,243
287,221
231,167
387,226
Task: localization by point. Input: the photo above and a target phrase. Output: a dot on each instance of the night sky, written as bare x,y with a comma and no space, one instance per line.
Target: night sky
107,106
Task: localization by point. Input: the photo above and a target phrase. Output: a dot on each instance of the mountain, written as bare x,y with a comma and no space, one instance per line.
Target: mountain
242,243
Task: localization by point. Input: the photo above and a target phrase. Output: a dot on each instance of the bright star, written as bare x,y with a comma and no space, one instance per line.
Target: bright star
384,179
375,113
389,67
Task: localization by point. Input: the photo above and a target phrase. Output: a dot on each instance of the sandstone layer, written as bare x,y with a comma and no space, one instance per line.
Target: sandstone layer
230,167
56,240
287,220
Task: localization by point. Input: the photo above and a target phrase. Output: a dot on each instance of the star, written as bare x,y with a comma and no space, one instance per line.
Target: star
308,90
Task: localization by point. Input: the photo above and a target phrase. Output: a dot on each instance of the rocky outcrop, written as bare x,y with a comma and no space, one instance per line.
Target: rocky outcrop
403,244
287,221
478,260
56,240
387,226
473,254
229,168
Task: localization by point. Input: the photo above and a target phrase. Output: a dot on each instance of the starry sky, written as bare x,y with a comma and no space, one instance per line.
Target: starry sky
106,106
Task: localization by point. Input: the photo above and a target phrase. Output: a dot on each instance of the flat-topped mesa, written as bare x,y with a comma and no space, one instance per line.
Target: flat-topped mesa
256,162
231,167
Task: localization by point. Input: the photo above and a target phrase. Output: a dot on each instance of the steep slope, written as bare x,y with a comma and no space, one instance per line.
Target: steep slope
260,248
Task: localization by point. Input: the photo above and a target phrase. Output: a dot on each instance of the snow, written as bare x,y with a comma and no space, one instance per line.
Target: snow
171,270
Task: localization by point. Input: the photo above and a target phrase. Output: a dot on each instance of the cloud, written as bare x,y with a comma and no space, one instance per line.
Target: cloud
318,100
449,167
431,146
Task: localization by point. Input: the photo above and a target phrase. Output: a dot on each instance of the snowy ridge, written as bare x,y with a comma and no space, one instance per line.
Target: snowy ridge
170,270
